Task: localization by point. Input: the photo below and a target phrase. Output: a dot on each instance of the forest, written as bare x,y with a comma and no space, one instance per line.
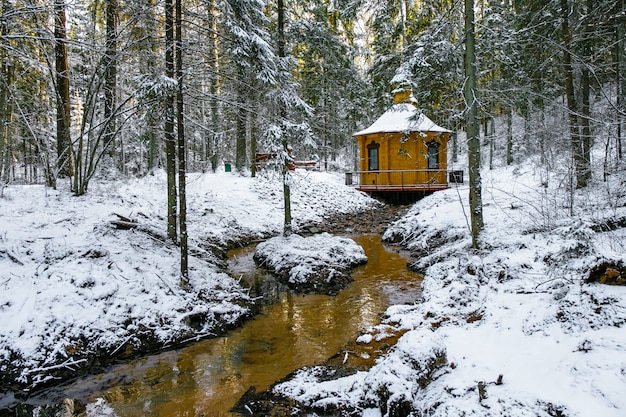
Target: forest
114,112
119,88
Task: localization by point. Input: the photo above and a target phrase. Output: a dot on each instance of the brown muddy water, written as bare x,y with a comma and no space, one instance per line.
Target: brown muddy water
292,330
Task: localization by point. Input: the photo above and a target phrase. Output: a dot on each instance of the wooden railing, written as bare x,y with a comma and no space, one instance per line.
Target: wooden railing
401,180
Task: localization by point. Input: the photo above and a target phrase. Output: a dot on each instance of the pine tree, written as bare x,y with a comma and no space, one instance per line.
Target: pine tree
182,168
62,91
110,76
170,140
282,113
6,112
327,79
434,65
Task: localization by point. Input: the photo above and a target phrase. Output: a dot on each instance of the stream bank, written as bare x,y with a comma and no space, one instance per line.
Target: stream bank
290,331
367,221
375,221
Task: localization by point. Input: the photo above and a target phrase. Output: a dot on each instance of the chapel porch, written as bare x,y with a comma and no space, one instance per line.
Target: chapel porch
403,186
403,180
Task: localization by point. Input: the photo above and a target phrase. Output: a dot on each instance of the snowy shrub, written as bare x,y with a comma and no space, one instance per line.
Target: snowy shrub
592,308
577,242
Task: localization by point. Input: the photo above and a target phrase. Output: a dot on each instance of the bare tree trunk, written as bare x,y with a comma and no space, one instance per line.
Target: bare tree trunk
213,146
490,131
4,96
585,117
403,16
6,111
287,227
6,118
153,148
253,142
572,108
110,77
150,45
62,92
455,142
620,79
509,136
182,169
170,143
240,155
473,127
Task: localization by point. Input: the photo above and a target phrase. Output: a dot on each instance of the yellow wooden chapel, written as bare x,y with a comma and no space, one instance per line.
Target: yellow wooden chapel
403,150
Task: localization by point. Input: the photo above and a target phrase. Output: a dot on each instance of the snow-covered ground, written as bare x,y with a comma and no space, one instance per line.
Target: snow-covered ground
73,287
513,329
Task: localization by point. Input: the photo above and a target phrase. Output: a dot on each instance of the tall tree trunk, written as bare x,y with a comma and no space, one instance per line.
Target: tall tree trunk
490,131
326,144
170,143
620,79
182,169
153,148
240,155
147,66
213,146
585,111
62,92
253,142
110,77
6,118
572,108
6,76
287,227
455,142
403,16
472,126
509,136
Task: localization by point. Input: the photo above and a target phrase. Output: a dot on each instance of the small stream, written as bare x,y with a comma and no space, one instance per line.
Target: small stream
291,331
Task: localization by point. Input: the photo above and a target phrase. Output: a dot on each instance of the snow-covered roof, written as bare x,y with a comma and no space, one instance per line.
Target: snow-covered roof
402,117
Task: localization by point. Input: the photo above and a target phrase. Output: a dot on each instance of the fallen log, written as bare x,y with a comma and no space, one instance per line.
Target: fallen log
124,225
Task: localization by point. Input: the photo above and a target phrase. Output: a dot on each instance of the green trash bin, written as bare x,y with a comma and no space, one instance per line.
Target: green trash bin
227,167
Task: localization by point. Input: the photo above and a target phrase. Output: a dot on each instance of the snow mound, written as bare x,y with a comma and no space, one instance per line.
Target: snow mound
319,263
389,386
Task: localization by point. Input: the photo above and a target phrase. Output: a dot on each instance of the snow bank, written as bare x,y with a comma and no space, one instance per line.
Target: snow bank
76,292
523,331
389,386
319,263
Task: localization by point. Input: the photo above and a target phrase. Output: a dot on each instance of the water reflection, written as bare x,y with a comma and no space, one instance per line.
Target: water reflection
292,331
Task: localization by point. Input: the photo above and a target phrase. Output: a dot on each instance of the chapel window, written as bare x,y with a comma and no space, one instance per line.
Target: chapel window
372,156
433,155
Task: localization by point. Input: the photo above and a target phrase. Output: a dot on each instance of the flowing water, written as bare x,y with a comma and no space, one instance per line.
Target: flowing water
291,331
